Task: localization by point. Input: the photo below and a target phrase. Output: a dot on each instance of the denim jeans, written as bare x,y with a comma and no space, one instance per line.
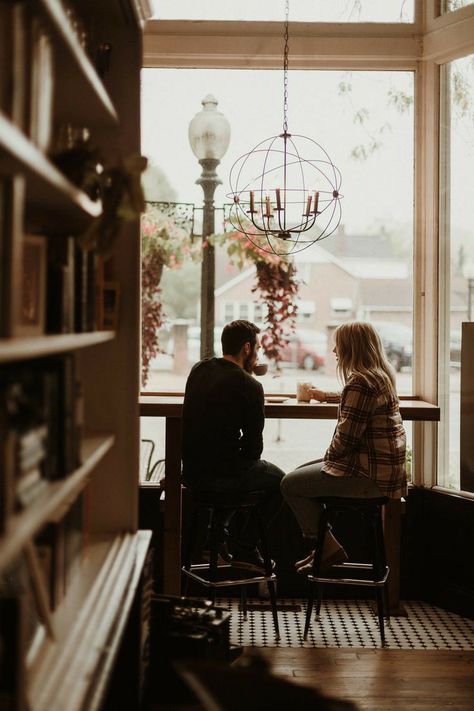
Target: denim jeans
250,475
310,480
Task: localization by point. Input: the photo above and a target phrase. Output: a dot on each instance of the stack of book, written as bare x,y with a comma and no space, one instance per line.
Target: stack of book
31,453
40,428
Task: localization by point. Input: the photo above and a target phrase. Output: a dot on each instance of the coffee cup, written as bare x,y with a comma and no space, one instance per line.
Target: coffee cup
260,369
303,391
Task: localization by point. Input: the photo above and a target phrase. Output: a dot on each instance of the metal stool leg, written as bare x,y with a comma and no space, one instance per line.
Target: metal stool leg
309,610
214,551
323,524
190,545
268,571
378,557
243,601
380,537
273,602
319,598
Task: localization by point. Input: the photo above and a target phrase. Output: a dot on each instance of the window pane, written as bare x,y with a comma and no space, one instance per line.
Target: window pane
451,5
458,150
300,11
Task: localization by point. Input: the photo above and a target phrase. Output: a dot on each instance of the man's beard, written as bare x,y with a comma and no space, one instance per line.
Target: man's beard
250,362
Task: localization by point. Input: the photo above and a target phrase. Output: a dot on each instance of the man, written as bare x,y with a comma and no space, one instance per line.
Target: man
223,420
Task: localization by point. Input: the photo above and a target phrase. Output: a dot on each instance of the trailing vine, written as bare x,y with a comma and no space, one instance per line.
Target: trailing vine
163,245
276,286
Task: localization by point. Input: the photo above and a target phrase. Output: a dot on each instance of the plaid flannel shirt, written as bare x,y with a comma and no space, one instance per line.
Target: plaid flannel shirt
369,439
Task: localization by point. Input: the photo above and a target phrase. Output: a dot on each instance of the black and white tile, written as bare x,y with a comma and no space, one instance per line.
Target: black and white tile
349,624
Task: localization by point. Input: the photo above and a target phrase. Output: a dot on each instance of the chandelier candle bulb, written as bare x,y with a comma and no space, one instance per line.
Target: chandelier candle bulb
278,198
268,206
308,205
252,202
316,202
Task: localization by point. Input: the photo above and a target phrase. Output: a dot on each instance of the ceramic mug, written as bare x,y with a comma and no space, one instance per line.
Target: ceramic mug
303,393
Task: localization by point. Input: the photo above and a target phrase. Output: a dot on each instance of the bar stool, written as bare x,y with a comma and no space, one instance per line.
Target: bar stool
373,574
214,575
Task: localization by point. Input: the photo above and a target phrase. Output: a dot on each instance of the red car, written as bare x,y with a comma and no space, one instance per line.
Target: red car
306,349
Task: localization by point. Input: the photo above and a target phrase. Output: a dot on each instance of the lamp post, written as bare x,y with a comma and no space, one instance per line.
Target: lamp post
209,136
468,273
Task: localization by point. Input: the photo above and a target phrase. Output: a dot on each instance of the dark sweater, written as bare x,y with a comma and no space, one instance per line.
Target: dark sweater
223,419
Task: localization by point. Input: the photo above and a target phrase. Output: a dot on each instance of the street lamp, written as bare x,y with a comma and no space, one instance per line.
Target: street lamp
209,136
468,274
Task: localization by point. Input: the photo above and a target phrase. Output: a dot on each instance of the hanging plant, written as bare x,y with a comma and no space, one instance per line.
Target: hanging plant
163,245
276,286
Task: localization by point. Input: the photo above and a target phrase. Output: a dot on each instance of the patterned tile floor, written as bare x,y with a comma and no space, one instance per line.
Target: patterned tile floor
349,624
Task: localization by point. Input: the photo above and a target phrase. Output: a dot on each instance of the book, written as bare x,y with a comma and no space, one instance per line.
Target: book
8,445
84,287
5,58
33,296
5,241
20,65
42,86
60,306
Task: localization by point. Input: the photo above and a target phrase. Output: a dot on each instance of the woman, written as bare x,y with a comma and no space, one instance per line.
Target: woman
366,456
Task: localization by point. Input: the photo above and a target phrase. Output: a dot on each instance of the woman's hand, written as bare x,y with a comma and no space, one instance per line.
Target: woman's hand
318,394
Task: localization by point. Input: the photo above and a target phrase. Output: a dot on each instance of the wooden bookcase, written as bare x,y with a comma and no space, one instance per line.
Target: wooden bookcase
70,666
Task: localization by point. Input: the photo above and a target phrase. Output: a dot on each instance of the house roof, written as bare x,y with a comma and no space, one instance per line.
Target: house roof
345,246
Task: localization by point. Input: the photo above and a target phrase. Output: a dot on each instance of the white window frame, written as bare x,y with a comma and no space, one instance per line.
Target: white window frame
421,47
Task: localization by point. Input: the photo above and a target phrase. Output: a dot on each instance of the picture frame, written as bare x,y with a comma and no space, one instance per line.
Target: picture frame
33,294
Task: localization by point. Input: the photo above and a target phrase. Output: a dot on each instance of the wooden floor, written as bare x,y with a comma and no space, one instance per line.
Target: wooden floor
375,680
412,680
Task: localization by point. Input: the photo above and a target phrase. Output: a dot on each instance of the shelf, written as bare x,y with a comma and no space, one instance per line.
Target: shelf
13,349
49,193
82,97
72,671
54,501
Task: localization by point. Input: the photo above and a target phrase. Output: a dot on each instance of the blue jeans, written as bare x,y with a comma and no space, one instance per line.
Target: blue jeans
301,485
249,475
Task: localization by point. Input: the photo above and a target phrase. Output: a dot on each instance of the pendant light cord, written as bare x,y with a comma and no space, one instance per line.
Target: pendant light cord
285,69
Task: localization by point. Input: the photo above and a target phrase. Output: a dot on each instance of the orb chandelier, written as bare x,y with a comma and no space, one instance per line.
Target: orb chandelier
285,192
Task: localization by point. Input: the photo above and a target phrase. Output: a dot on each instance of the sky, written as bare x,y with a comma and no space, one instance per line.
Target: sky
379,189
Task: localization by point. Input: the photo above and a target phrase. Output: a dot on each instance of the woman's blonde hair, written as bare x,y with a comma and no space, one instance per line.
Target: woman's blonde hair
360,351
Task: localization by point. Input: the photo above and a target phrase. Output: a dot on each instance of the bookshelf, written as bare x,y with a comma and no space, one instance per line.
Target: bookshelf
47,189
71,557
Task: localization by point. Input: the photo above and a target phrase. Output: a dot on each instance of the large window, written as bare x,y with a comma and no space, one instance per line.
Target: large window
457,302
365,122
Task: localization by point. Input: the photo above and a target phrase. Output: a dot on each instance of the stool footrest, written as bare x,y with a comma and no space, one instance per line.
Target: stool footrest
227,582
352,581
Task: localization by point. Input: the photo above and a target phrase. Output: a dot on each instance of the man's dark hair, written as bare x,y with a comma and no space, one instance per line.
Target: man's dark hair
236,334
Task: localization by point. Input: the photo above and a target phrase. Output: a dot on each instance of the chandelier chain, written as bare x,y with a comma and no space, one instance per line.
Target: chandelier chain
285,69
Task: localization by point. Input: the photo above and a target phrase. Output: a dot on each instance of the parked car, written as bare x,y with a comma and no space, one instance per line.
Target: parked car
306,349
455,349
397,339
